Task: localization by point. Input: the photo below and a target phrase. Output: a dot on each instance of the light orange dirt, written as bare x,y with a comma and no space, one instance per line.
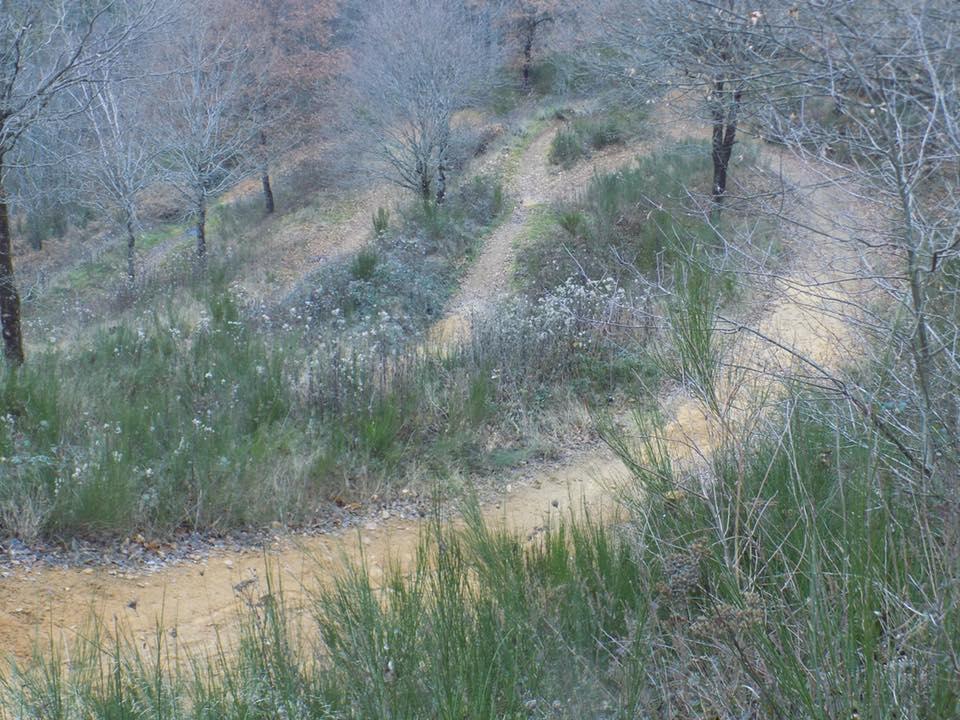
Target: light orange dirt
202,601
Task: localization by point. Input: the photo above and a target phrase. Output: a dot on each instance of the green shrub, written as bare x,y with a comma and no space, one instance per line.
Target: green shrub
381,222
566,148
572,221
363,267
602,133
574,142
636,216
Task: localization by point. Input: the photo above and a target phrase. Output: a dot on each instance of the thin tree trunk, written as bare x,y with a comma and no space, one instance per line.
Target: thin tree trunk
724,138
441,184
424,174
527,59
267,193
131,245
202,232
9,297
265,177
922,354
442,169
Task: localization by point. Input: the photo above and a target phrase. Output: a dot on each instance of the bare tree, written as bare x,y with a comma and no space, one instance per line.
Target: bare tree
41,197
527,22
117,160
714,58
46,48
207,132
877,102
291,46
415,64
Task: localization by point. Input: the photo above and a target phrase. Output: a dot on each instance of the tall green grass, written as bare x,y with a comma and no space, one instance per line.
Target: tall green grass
222,420
162,424
796,569
831,598
637,220
693,357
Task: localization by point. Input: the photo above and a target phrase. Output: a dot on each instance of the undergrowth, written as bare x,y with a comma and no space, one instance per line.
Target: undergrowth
407,272
636,223
578,138
223,420
794,583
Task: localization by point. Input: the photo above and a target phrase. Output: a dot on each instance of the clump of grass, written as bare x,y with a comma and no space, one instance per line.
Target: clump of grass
364,265
691,315
579,137
381,222
572,221
566,148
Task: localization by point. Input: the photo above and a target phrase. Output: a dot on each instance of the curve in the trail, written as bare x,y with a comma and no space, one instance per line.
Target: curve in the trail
198,604
202,601
535,183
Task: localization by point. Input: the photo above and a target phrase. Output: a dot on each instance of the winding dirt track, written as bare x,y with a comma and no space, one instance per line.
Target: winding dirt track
202,601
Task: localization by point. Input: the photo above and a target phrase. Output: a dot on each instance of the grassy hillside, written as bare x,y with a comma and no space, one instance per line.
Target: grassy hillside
793,587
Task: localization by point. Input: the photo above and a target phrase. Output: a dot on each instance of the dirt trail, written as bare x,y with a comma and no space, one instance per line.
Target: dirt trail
201,601
535,183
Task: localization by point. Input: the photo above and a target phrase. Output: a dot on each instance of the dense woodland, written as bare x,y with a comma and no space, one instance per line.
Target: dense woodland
269,263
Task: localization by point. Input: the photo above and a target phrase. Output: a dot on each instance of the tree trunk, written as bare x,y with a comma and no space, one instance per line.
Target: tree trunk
724,138
9,297
922,353
265,177
131,244
441,184
424,175
267,193
527,59
202,232
442,169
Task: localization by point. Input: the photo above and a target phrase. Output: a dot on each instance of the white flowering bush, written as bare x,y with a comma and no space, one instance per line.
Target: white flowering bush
375,399
550,339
